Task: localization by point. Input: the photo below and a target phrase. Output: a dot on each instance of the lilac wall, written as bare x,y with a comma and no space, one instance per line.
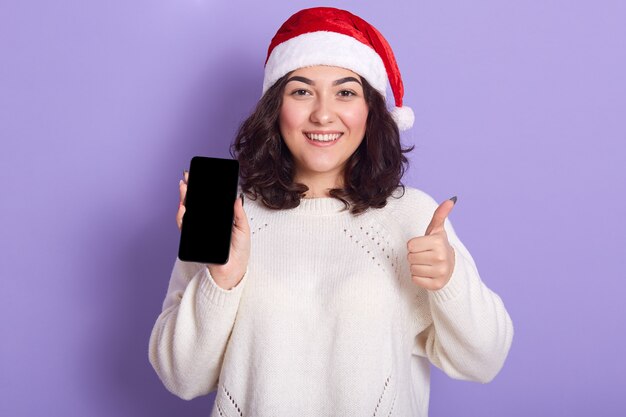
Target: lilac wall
520,111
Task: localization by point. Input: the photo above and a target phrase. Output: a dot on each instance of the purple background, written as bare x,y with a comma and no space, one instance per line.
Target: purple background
520,112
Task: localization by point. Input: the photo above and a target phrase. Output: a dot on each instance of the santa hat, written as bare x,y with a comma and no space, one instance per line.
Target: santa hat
329,36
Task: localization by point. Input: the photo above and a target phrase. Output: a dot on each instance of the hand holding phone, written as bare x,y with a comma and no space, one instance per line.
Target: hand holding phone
217,231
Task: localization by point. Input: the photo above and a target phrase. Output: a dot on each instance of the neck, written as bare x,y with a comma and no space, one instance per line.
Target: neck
319,184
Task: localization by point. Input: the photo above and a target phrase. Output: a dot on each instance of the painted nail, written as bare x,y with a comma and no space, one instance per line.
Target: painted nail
241,196
453,199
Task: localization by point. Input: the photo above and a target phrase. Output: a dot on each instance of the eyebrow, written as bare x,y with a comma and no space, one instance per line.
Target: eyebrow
345,80
310,82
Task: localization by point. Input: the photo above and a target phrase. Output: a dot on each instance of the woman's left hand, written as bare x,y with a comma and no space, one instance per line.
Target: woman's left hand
431,257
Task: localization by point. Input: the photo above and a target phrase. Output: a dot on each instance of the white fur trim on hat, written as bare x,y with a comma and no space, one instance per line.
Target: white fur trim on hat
403,116
326,48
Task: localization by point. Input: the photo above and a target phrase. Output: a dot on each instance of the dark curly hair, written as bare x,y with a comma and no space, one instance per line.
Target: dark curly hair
371,174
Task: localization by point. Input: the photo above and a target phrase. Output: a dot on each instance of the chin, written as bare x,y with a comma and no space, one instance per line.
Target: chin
322,169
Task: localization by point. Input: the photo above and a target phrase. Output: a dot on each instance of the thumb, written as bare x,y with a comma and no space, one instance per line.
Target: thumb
440,215
240,220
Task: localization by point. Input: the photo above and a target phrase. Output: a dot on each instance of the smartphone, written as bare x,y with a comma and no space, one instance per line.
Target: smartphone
209,209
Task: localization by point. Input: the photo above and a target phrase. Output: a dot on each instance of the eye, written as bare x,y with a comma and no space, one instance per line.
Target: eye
346,93
299,92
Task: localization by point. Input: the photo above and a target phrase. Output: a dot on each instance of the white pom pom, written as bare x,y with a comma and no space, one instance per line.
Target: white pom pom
403,116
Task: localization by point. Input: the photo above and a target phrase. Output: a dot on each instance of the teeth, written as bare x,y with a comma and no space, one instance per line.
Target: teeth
323,138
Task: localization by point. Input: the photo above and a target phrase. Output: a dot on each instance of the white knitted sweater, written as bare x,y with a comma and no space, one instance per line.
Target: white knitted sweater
326,321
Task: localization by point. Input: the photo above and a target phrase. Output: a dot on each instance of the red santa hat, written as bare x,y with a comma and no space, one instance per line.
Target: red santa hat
329,36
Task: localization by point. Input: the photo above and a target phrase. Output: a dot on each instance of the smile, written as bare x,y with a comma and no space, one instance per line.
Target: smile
325,137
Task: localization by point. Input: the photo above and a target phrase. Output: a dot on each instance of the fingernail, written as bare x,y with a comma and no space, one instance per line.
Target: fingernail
453,199
241,196
180,182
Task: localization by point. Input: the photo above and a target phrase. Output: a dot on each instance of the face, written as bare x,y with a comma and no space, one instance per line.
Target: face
322,120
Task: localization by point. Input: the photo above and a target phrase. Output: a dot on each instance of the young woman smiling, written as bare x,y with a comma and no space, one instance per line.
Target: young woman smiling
343,285
322,122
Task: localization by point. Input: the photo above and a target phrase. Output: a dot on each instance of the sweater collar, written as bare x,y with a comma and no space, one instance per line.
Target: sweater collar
320,205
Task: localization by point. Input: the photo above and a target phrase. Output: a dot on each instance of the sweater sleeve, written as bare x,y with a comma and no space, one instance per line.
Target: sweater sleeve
190,336
471,331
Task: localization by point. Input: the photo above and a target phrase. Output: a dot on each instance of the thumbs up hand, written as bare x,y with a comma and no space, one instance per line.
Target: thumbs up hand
431,257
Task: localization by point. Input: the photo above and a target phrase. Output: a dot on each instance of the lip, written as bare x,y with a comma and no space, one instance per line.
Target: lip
322,144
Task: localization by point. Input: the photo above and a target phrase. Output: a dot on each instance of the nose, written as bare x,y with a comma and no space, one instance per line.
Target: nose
322,111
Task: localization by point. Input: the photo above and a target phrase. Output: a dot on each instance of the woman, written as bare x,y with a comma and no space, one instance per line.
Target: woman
342,285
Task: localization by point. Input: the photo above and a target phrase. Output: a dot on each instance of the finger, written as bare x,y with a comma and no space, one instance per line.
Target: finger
440,215
425,271
421,258
429,271
186,176
179,216
422,243
427,283
182,189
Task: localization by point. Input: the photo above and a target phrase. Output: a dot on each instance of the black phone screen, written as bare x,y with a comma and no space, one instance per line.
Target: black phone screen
209,210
